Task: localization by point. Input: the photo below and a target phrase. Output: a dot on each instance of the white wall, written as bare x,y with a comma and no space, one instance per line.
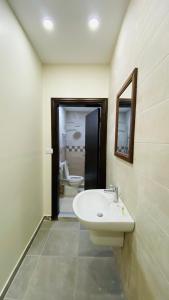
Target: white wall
20,142
90,81
144,43
75,121
62,127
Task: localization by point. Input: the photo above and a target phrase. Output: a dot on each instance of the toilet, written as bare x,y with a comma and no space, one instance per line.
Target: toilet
72,180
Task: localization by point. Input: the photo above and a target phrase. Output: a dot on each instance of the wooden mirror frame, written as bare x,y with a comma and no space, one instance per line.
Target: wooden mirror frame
131,79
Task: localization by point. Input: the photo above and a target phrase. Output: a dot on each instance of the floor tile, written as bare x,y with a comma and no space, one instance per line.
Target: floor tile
65,215
66,204
34,294
47,224
54,278
97,277
81,296
65,224
82,227
20,282
10,299
87,248
38,243
62,243
64,265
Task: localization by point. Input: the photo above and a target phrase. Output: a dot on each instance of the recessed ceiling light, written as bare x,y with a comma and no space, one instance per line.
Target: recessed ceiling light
48,24
94,24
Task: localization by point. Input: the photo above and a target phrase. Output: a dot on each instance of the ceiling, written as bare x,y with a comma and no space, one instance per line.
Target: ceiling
71,41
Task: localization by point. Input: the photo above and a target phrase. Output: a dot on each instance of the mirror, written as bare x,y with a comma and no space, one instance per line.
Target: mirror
125,118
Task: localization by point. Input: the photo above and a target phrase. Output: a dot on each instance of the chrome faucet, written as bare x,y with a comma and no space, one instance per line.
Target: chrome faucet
116,198
113,189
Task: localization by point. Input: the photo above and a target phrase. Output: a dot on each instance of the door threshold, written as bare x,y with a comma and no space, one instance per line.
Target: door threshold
67,215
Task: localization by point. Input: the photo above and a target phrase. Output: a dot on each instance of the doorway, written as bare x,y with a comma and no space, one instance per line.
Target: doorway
79,129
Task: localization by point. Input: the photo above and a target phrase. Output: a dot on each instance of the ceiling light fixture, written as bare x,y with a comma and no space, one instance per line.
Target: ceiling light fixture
94,24
48,24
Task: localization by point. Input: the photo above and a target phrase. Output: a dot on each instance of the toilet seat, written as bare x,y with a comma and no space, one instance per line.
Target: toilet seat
73,180
75,177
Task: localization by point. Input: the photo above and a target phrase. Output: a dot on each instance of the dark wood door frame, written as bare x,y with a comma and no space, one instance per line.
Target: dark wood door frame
84,102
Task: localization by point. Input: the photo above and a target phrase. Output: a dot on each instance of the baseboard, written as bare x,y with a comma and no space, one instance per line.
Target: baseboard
21,258
48,217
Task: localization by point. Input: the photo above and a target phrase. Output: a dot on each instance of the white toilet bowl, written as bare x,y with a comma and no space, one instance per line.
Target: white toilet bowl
75,180
72,180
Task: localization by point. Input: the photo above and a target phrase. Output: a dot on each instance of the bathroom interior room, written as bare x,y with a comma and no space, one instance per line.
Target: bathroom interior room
84,150
72,141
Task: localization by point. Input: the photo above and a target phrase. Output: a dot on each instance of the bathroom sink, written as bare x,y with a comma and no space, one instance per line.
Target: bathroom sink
106,219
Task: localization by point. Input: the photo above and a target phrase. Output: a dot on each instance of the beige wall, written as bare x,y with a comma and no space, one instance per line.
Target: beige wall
20,142
67,81
144,43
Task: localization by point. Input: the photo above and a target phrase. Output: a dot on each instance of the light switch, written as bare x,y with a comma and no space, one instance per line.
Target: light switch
49,151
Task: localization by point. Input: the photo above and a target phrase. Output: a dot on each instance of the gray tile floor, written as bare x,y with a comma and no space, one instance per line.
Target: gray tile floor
62,264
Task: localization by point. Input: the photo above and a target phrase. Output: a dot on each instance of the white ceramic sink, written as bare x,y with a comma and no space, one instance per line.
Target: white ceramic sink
106,220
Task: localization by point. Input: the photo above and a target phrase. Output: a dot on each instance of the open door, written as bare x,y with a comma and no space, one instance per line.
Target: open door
96,132
92,150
